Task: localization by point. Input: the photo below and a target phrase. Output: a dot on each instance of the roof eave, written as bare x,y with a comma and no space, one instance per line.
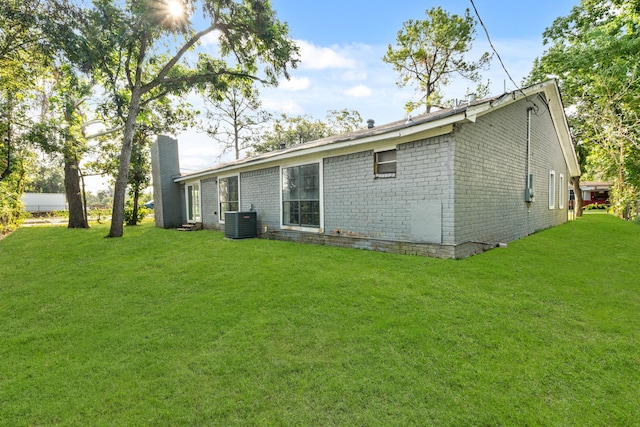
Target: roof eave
425,127
440,126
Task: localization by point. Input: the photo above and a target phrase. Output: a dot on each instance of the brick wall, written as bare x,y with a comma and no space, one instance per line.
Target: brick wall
452,196
415,206
490,175
209,202
167,194
260,189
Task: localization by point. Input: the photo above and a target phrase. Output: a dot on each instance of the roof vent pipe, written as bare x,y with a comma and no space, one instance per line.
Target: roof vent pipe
472,98
370,123
283,145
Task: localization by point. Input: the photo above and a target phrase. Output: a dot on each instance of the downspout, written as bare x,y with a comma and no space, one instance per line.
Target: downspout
528,144
528,191
528,194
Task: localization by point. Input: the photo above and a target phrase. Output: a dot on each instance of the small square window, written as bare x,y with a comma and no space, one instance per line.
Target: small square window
385,164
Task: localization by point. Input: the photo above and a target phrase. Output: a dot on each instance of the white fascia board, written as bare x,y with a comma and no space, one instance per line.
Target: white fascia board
388,139
562,129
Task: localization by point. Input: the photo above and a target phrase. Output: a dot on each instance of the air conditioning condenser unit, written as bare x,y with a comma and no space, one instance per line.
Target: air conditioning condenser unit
240,225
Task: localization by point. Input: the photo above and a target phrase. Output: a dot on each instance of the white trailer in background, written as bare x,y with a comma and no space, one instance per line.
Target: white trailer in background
44,202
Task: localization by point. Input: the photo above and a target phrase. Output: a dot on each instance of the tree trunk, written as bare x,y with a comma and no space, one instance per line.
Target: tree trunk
84,198
236,140
134,215
7,169
77,219
577,193
7,138
120,190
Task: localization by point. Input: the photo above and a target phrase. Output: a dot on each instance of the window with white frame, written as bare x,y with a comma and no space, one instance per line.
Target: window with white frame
552,189
384,164
301,195
193,202
229,195
561,191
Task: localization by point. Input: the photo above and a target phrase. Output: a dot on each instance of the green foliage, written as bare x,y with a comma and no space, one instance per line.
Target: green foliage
595,54
60,214
170,328
46,178
235,115
134,218
99,215
126,48
21,63
343,121
10,204
429,52
595,206
290,131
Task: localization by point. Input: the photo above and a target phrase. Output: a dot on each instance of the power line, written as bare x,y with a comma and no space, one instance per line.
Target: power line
492,46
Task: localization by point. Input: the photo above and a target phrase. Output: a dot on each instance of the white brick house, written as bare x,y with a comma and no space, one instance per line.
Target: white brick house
448,184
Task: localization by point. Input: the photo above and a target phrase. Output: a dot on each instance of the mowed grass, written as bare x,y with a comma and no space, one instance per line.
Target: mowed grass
167,328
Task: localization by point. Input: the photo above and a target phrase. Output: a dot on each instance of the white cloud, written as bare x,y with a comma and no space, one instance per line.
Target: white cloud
360,91
211,39
294,84
355,75
320,58
286,106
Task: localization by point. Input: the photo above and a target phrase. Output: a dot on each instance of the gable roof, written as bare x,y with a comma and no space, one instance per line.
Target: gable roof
424,126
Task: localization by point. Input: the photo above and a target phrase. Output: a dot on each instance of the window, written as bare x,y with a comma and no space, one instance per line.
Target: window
384,165
193,202
229,195
552,190
301,195
561,192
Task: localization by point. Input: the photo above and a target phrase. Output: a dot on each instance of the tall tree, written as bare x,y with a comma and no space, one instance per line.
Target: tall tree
287,131
235,115
28,75
138,51
61,130
72,95
21,62
18,37
595,54
343,121
162,115
431,51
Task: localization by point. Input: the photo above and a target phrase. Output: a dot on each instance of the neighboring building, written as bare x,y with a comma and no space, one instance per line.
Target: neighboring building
595,193
44,202
451,183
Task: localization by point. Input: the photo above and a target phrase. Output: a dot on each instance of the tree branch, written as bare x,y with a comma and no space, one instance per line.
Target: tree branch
161,77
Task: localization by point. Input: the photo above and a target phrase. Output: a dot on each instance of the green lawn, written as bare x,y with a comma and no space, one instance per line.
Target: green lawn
167,328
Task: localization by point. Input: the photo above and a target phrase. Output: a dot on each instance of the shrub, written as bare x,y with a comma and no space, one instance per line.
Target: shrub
128,213
10,206
60,214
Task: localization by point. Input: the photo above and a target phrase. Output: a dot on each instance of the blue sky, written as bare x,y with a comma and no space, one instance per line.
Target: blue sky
377,21
342,43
